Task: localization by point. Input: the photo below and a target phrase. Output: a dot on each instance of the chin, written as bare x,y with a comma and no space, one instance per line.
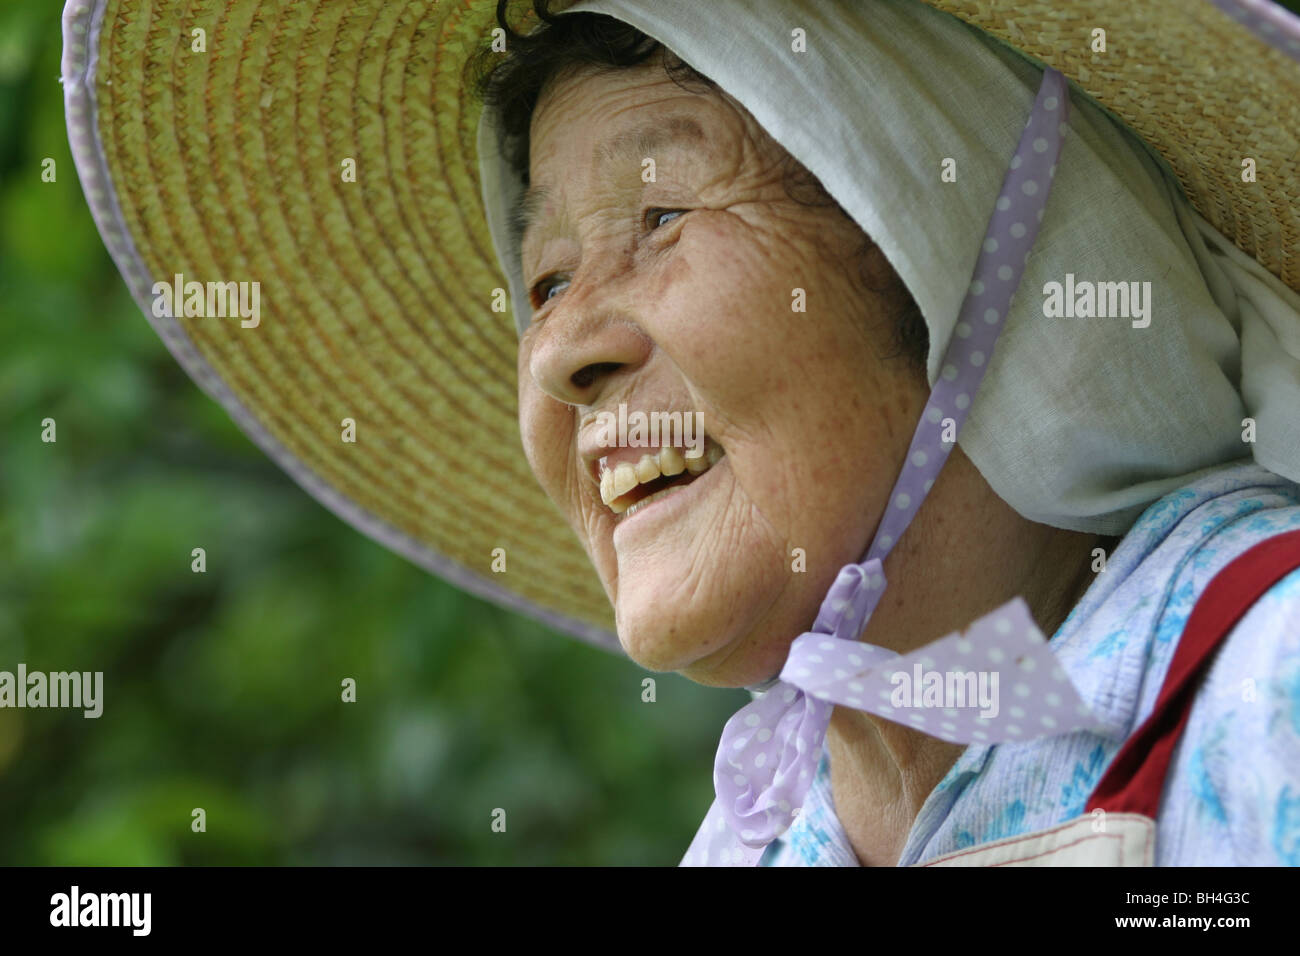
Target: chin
664,642
659,647
719,659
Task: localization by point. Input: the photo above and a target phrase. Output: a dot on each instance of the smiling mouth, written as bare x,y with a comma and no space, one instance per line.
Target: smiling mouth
628,487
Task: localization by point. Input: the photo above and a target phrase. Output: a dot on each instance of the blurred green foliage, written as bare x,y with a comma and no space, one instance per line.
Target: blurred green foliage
222,690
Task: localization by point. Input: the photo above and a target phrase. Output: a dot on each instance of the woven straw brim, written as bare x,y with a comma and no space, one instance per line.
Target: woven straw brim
376,295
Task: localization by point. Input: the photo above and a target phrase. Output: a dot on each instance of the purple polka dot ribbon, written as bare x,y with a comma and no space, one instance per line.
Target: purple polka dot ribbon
997,681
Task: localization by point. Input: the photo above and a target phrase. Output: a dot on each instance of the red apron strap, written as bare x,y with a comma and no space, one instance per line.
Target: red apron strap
1135,778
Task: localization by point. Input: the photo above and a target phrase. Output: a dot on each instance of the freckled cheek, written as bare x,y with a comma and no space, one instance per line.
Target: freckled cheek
712,290
728,317
804,385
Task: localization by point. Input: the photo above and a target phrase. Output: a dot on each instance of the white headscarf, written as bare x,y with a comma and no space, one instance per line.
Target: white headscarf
1080,422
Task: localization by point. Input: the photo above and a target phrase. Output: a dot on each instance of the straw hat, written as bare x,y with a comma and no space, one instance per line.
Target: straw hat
326,150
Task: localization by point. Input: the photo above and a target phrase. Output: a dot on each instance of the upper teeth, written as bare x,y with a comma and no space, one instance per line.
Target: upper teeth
617,481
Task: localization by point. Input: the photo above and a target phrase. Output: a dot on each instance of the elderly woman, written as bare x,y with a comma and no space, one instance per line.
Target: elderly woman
976,365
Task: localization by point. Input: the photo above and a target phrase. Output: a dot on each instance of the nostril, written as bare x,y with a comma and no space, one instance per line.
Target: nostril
589,373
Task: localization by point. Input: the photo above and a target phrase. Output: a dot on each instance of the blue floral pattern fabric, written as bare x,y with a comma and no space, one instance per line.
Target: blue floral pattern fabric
1232,794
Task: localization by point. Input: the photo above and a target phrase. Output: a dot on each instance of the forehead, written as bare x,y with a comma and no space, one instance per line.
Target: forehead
593,129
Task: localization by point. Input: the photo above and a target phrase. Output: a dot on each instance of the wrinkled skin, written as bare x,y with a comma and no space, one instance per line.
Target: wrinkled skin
696,314
693,312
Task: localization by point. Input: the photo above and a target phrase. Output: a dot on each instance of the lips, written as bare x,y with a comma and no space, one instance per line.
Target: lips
629,480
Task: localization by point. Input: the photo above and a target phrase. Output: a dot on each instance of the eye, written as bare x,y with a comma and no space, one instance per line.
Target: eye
654,218
549,285
541,292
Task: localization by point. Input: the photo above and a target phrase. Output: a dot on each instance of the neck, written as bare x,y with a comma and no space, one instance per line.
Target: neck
966,553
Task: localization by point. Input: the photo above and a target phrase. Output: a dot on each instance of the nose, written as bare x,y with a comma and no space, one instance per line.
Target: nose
587,339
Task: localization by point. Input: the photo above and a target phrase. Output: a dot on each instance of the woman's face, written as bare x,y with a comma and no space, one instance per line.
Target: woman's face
679,295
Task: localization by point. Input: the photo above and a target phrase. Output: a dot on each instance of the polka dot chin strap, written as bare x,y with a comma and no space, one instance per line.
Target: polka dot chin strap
770,748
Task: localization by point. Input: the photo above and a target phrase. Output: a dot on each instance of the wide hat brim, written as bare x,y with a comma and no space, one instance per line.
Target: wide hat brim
379,297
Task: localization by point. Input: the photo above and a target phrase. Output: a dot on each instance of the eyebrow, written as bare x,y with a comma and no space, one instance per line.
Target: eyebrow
675,131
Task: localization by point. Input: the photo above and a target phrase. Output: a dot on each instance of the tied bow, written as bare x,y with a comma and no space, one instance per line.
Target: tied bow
771,747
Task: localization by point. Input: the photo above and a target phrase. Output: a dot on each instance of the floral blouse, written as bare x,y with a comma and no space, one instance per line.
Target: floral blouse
1232,794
